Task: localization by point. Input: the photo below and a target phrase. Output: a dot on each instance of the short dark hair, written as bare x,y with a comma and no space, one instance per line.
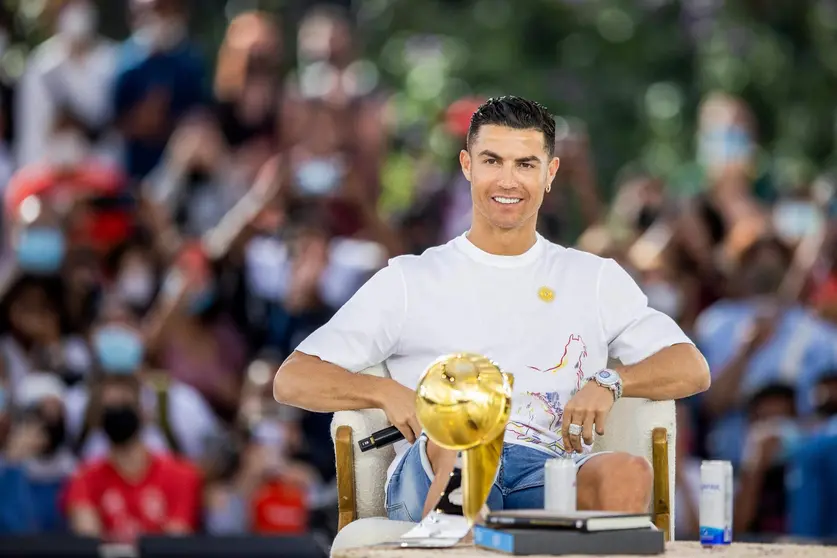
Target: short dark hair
775,390
514,112
765,243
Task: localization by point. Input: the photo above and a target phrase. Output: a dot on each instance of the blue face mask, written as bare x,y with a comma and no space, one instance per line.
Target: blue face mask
725,145
119,349
2,399
40,249
319,177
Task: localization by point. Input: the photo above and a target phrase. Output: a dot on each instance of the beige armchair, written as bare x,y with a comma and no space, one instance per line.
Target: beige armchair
637,426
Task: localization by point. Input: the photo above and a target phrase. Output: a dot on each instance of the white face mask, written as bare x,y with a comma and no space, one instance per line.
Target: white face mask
78,21
136,286
160,34
66,149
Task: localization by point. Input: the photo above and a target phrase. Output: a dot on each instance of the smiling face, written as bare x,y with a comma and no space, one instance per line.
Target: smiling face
509,170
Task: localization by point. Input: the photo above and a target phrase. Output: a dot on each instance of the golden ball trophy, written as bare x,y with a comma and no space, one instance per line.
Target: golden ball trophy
463,403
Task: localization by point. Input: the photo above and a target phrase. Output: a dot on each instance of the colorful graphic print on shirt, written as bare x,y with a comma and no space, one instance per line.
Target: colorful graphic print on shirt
538,416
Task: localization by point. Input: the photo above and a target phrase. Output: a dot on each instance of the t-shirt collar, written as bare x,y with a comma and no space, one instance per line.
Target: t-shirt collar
469,249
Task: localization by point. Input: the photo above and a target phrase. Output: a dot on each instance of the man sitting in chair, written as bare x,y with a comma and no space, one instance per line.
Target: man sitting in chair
551,316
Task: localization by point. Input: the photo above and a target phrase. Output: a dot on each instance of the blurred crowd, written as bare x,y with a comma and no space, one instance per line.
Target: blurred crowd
171,231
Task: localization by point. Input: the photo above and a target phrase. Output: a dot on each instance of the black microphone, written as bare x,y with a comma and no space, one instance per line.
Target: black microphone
380,439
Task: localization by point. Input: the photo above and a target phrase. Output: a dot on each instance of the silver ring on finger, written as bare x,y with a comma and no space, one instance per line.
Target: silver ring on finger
575,430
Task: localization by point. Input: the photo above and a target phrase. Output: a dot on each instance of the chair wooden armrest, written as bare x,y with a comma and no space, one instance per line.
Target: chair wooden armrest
344,453
361,476
661,507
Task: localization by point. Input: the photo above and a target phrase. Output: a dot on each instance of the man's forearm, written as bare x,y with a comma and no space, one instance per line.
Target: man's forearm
310,383
673,373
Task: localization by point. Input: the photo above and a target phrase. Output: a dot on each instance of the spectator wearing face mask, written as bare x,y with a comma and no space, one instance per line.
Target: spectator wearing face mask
34,331
160,78
727,208
37,237
254,484
68,77
751,342
324,171
772,438
134,274
82,196
192,336
200,180
133,490
37,457
176,419
306,275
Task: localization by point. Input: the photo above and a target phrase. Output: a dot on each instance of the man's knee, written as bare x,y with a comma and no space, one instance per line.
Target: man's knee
441,460
616,482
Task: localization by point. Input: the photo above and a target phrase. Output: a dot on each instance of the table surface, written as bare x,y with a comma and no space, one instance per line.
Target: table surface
678,549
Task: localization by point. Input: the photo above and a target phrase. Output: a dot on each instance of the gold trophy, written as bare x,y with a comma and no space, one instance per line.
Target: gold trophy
463,403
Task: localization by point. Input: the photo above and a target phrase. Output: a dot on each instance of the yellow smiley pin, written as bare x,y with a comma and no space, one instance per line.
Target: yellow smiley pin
546,294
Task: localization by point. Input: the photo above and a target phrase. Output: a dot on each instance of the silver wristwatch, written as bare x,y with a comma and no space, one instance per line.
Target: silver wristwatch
611,380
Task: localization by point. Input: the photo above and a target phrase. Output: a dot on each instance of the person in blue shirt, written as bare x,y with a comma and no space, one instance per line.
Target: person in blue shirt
35,463
810,483
751,342
160,78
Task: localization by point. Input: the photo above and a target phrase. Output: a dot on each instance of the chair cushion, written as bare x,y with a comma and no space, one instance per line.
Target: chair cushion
629,429
370,467
369,531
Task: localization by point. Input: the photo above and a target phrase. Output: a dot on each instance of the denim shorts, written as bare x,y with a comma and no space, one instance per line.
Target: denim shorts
518,484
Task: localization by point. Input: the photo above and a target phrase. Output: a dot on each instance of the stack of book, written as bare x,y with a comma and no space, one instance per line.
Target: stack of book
528,532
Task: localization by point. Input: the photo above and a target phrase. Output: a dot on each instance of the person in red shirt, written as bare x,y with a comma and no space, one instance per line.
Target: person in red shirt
132,491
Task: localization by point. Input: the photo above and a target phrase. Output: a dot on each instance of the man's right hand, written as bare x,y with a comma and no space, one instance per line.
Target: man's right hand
399,404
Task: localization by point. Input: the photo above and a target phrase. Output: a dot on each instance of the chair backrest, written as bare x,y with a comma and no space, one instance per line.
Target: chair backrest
629,427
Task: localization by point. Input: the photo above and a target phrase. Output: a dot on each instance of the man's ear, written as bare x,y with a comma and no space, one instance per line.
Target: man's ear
552,169
465,163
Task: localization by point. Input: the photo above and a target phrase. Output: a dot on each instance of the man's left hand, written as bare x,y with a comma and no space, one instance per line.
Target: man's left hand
588,407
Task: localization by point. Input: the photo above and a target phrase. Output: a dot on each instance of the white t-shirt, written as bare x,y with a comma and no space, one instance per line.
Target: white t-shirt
551,316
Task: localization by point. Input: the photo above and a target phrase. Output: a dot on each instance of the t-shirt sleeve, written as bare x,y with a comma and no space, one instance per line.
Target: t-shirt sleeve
366,330
186,498
78,491
632,329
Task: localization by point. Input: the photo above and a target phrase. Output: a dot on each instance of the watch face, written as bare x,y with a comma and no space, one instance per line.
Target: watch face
607,377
